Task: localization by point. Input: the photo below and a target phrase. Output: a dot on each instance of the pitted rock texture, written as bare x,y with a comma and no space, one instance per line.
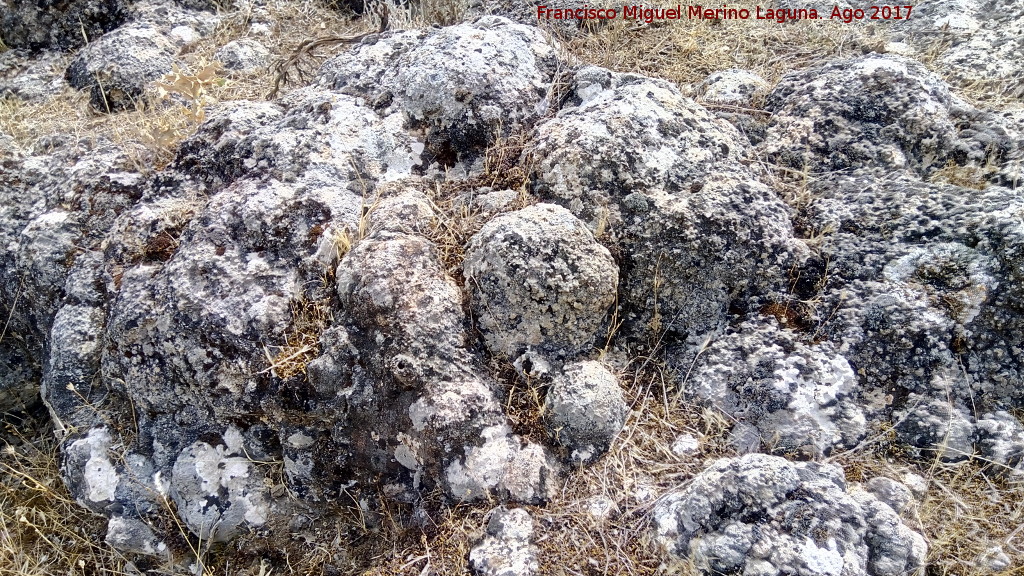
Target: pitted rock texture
31,77
36,24
798,398
983,41
258,248
585,410
878,111
764,515
463,85
733,87
244,55
661,178
922,290
539,281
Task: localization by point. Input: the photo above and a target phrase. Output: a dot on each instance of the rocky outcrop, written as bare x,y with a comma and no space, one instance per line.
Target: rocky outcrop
765,515
38,24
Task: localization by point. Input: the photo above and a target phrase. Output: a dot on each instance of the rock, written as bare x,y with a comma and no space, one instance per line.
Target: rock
797,398
1001,441
134,537
761,514
31,77
55,209
936,426
584,410
505,549
39,24
218,493
893,493
243,55
920,288
116,68
733,87
981,40
463,85
877,111
993,560
526,13
540,281
660,178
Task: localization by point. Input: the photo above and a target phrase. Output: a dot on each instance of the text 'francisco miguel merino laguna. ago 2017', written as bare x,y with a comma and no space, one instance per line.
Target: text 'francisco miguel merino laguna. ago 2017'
723,12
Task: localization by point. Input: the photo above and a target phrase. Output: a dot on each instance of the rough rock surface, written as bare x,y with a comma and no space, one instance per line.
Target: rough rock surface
36,24
505,549
877,111
732,87
462,85
540,281
244,55
764,515
585,410
791,397
116,68
661,178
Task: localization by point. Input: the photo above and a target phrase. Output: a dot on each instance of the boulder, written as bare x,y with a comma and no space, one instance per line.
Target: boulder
41,24
661,179
764,515
505,549
539,281
585,410
798,398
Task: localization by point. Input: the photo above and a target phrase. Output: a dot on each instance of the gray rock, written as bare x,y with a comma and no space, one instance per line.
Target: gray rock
982,41
877,111
934,425
117,67
505,549
36,24
920,288
584,410
660,178
135,537
31,77
761,514
732,87
796,398
243,55
539,280
463,85
1001,441
893,493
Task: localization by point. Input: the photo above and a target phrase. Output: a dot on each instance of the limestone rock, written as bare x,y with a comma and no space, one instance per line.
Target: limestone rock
505,549
799,398
734,87
539,280
761,514
660,177
462,85
116,68
585,410
877,111
39,24
244,55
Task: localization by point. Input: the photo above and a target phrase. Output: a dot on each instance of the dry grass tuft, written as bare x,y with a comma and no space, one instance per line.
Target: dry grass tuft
687,51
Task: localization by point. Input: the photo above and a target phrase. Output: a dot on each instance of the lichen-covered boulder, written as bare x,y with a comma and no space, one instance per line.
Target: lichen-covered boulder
878,111
116,68
31,77
584,410
981,41
462,85
733,87
41,24
1000,440
539,281
798,398
764,515
55,209
660,178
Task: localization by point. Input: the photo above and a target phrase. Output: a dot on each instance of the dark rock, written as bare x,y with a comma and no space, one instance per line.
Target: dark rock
41,24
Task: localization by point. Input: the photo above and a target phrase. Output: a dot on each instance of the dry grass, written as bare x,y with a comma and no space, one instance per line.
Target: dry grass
687,51
42,530
970,507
